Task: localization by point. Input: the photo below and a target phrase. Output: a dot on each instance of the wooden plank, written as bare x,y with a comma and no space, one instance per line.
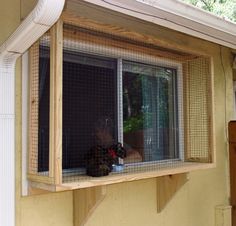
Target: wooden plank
127,34
199,159
40,178
36,191
55,153
166,36
232,131
83,182
19,176
167,187
211,113
186,112
85,202
102,39
232,168
43,186
33,109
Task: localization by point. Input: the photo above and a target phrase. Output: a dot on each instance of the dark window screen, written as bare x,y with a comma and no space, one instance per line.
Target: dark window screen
89,106
43,117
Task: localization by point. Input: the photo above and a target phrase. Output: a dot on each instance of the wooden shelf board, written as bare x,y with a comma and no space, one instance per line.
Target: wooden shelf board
85,181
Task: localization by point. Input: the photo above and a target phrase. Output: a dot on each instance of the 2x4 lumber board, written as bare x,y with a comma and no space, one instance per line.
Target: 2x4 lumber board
83,9
85,202
167,187
36,191
125,34
43,186
232,131
113,42
211,112
232,167
33,109
186,112
55,156
40,178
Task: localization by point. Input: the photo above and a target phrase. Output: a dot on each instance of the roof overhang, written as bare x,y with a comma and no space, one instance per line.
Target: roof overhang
178,16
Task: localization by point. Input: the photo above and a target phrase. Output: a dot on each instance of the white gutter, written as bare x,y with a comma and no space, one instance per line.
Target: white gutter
178,16
43,16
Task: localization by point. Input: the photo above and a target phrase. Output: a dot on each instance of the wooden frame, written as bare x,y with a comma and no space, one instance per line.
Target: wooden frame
55,141
232,167
54,182
33,108
69,16
209,110
54,175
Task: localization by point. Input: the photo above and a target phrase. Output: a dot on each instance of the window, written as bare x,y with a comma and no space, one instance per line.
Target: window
91,91
150,115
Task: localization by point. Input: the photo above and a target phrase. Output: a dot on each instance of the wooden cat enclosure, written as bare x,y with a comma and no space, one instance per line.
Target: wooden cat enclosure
94,86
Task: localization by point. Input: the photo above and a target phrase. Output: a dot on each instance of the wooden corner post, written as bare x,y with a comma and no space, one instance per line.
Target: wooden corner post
56,61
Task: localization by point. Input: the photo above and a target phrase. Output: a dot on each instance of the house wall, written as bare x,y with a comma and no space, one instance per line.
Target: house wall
134,203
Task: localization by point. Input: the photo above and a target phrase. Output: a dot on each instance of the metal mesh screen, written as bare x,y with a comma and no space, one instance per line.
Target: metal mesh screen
89,106
153,102
197,110
129,106
39,107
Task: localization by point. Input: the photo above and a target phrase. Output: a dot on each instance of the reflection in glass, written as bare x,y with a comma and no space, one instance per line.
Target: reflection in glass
149,112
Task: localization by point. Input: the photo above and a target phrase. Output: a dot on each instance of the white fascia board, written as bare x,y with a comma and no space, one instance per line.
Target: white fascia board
178,16
192,13
43,16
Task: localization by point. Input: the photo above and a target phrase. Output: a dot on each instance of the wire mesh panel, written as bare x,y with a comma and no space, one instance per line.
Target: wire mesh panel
39,107
131,107
89,106
197,110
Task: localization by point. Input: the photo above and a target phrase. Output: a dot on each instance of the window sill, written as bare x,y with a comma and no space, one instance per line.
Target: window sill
72,181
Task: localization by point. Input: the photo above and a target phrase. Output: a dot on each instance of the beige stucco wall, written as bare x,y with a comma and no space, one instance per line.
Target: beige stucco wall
134,203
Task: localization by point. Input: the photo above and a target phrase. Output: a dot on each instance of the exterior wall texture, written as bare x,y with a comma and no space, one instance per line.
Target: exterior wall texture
134,203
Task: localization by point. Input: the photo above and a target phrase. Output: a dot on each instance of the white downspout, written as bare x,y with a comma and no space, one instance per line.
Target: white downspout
43,16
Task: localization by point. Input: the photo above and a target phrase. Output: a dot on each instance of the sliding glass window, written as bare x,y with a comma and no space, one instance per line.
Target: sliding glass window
150,113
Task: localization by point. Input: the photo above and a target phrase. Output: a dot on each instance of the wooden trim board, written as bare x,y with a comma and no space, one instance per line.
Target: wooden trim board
33,109
55,142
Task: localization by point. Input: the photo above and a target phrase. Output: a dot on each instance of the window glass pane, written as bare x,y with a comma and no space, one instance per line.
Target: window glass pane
149,112
89,106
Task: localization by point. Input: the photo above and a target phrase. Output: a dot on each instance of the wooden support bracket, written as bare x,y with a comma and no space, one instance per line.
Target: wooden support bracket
85,202
167,186
88,199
